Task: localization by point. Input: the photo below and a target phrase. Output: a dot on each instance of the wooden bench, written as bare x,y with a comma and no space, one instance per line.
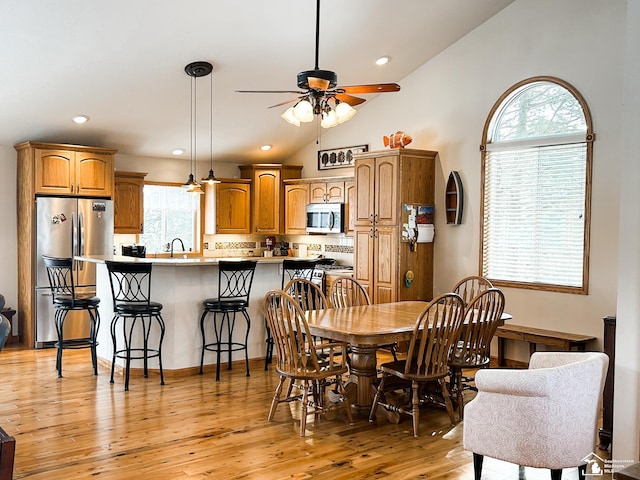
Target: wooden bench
560,340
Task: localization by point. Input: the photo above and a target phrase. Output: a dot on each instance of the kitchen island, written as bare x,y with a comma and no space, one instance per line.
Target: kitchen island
181,284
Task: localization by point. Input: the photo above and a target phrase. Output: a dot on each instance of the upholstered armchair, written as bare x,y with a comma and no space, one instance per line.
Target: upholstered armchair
5,325
543,417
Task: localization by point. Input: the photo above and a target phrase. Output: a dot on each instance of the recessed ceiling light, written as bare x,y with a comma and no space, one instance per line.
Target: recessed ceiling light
383,60
81,119
265,148
177,151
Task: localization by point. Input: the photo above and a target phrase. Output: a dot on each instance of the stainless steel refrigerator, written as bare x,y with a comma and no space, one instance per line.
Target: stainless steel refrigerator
68,227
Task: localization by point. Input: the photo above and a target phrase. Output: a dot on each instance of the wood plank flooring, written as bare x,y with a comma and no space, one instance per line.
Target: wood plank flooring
80,426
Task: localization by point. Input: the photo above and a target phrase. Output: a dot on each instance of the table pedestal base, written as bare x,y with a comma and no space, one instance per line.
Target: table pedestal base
364,372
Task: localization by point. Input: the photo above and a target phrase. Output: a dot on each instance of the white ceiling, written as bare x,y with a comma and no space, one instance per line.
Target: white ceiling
122,63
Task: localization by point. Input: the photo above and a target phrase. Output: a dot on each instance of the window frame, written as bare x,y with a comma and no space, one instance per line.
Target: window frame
589,138
200,221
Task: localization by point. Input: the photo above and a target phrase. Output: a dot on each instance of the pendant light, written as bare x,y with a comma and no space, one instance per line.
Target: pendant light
211,178
195,70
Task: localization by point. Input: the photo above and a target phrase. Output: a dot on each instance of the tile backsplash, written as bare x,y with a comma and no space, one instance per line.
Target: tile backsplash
339,247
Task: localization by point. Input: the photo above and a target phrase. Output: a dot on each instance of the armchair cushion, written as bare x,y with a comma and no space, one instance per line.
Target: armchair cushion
544,417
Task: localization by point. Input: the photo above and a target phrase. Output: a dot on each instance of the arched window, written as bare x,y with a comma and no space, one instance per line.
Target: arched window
536,188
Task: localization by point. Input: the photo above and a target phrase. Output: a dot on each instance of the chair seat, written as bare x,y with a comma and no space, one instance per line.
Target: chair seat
138,308
397,368
214,304
78,302
462,358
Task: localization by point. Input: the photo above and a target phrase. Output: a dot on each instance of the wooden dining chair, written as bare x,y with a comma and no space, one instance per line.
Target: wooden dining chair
298,360
436,331
347,292
482,316
470,287
308,295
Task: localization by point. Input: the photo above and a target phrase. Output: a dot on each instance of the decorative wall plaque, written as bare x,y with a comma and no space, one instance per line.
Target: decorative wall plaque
339,157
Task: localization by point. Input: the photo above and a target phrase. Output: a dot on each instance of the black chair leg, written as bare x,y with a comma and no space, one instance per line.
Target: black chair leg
582,470
204,342
556,474
477,466
246,340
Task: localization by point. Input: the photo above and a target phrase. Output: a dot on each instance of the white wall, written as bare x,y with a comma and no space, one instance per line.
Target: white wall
626,425
8,234
444,104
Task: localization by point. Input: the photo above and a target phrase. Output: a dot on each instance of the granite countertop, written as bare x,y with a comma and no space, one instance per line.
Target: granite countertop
180,261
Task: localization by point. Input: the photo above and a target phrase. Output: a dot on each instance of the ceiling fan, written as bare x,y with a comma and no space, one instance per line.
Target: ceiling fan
320,91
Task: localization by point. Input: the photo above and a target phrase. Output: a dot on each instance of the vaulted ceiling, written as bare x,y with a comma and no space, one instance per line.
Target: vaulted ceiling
121,62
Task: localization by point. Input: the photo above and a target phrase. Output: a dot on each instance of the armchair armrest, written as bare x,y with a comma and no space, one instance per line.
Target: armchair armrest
524,383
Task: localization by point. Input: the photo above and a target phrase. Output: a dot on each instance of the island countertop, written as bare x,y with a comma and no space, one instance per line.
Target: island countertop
181,261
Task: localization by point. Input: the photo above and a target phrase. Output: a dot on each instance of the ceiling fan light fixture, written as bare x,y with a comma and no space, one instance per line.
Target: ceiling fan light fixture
344,112
329,119
290,117
303,111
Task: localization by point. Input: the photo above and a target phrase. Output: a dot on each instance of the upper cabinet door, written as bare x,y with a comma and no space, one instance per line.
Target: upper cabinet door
326,192
266,207
295,208
232,208
94,174
386,191
128,202
365,189
55,172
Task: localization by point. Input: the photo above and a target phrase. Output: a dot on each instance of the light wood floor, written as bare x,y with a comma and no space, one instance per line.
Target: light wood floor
81,426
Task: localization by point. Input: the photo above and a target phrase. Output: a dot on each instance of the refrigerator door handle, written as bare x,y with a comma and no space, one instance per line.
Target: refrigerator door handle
80,239
74,238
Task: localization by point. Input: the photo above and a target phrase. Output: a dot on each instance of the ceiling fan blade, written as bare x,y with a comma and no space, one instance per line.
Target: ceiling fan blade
271,91
318,83
353,101
284,103
373,88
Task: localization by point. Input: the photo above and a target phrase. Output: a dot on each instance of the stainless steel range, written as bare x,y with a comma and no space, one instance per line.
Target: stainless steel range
320,273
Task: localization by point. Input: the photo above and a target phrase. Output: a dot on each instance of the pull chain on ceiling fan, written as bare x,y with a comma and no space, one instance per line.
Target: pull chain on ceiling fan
320,95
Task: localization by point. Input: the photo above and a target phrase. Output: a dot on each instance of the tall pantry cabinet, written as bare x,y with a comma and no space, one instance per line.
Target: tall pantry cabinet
385,181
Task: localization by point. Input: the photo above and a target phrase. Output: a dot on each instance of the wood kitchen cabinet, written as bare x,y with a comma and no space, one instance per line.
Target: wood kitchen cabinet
267,194
326,192
128,202
384,182
350,207
295,208
51,169
233,207
58,169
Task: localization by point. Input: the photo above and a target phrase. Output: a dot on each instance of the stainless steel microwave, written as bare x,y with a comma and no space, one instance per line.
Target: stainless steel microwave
325,218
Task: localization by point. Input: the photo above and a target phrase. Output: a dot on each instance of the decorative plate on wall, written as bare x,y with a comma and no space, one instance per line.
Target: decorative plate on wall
339,157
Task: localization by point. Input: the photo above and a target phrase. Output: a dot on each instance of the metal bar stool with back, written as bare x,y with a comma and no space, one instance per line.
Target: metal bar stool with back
234,286
132,305
66,299
290,269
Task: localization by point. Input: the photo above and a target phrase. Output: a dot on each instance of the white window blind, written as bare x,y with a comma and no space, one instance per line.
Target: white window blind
537,169
534,219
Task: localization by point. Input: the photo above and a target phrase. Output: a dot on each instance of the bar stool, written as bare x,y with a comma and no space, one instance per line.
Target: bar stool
290,269
234,287
131,293
65,299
